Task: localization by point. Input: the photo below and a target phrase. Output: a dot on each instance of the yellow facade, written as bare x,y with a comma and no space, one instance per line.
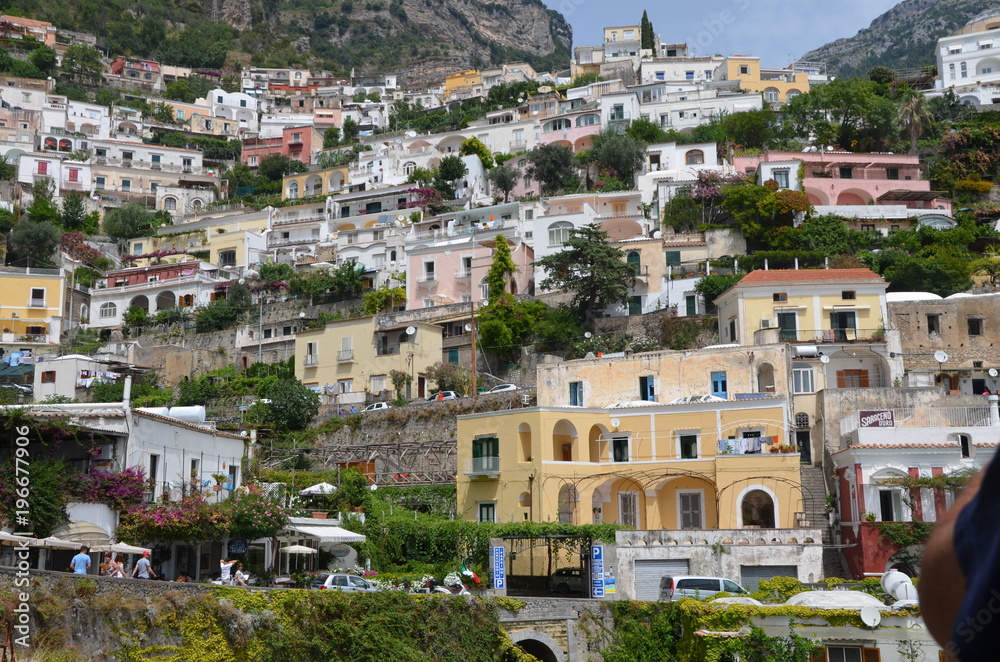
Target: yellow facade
655,467
33,302
461,79
315,182
356,356
747,70
815,305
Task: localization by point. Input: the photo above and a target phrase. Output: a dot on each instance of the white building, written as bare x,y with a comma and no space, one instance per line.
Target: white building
68,376
968,61
237,106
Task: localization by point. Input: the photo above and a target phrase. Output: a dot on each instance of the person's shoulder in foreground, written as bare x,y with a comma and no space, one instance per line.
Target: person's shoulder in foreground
960,576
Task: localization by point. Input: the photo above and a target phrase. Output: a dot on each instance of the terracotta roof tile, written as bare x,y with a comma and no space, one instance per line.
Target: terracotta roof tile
809,275
885,446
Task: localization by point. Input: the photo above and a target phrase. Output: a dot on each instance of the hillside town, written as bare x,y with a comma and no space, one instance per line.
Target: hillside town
575,334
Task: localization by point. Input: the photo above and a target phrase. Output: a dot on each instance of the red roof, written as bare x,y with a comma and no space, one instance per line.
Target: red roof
808,275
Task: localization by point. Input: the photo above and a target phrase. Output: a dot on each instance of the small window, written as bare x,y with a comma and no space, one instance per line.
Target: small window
892,173
891,505
975,326
49,377
619,449
673,258
576,394
780,297
453,355
744,70
803,380
689,446
647,388
846,173
848,295
694,157
720,385
268,333
933,324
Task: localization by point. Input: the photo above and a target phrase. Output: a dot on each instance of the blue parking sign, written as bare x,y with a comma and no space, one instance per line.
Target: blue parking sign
499,568
597,571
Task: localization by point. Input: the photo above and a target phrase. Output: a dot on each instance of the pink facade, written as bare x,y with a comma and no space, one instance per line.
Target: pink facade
156,273
455,273
847,178
570,132
296,142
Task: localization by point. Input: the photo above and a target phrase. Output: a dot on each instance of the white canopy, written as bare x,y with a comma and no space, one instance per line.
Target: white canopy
327,534
298,549
121,548
319,488
55,543
11,538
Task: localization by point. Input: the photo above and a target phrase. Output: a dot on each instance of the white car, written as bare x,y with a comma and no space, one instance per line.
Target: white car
377,406
502,388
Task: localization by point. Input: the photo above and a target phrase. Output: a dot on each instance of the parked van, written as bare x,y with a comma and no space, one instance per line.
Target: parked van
675,588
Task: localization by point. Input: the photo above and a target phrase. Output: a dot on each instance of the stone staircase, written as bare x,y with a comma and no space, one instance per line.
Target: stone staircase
814,491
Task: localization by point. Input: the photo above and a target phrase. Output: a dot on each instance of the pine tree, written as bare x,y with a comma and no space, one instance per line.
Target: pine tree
647,32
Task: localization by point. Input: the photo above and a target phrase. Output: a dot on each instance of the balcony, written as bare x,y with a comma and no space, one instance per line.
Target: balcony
24,337
273,241
463,273
345,356
485,467
518,145
427,278
831,335
311,360
930,417
36,303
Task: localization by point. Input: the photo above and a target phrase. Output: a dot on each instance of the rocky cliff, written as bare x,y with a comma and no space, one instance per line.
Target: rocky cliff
902,38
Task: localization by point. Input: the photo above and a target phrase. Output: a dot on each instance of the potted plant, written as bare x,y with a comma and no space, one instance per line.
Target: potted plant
219,480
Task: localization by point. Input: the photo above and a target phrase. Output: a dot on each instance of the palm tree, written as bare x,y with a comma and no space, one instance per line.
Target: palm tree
915,116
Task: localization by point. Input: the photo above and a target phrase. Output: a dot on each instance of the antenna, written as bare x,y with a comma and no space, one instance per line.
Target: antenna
871,616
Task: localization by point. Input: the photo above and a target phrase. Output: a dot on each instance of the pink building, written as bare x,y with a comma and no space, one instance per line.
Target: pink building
296,142
849,179
450,273
574,130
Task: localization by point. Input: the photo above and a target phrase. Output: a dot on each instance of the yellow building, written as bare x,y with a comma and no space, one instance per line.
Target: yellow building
315,182
351,360
462,79
34,307
777,85
695,465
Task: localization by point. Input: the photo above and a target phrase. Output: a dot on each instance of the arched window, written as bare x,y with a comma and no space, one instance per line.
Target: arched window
559,233
758,510
771,95
108,311
634,261
792,94
170,204
694,157
409,167
293,190
484,289
196,204
588,120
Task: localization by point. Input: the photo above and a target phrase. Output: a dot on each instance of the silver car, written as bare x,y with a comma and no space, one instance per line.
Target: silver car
343,582
700,588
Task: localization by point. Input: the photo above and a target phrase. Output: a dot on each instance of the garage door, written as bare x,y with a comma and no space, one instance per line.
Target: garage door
752,574
648,573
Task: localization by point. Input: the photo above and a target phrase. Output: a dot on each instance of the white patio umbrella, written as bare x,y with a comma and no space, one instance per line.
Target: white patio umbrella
319,488
120,548
299,549
55,543
11,539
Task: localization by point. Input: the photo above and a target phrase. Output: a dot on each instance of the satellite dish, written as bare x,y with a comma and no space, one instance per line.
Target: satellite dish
941,356
871,616
468,327
824,359
993,372
588,334
410,330
899,585
615,422
373,487
411,134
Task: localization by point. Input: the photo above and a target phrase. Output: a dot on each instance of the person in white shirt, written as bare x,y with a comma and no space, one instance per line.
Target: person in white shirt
226,567
240,577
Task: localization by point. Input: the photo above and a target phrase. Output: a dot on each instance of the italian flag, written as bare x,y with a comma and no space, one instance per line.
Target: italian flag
468,573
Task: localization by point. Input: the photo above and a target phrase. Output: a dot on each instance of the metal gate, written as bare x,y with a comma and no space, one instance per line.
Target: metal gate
548,566
750,575
648,574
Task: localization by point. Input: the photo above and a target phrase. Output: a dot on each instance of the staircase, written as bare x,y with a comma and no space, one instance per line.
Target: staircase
814,491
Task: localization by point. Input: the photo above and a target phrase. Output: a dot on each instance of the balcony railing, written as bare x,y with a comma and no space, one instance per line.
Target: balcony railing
135,287
427,278
463,273
482,466
312,359
927,417
24,337
345,356
288,241
36,303
831,335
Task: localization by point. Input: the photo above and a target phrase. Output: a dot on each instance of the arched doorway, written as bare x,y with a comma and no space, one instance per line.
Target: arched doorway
765,378
539,645
140,302
165,300
569,499
757,509
563,441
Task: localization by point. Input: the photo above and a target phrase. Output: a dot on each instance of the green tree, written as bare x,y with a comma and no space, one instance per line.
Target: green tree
592,270
331,137
551,165
647,37
711,286
682,212
44,58
475,146
353,493
136,318
8,170
647,132
106,96
988,265
450,377
349,129
42,209
501,270
451,169
293,405
383,300
504,178
73,216
82,64
276,166
128,221
881,75
346,280
422,176
33,243
618,153
849,113
916,117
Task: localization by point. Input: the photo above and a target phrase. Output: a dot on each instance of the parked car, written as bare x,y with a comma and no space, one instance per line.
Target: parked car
342,582
502,388
443,395
675,588
27,390
377,406
566,580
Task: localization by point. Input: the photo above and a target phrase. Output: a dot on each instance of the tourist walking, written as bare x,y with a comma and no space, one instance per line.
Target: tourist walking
143,569
81,562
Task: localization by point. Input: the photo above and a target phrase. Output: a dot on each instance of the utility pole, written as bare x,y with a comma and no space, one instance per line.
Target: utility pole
472,323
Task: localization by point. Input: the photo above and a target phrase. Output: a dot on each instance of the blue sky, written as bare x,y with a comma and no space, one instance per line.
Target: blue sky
776,30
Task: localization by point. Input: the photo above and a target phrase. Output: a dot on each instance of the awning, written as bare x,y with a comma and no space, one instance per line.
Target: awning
16,370
85,533
327,534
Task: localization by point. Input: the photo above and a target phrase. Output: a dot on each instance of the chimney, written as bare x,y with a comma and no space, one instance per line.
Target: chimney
796,264
127,395
826,263
765,265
